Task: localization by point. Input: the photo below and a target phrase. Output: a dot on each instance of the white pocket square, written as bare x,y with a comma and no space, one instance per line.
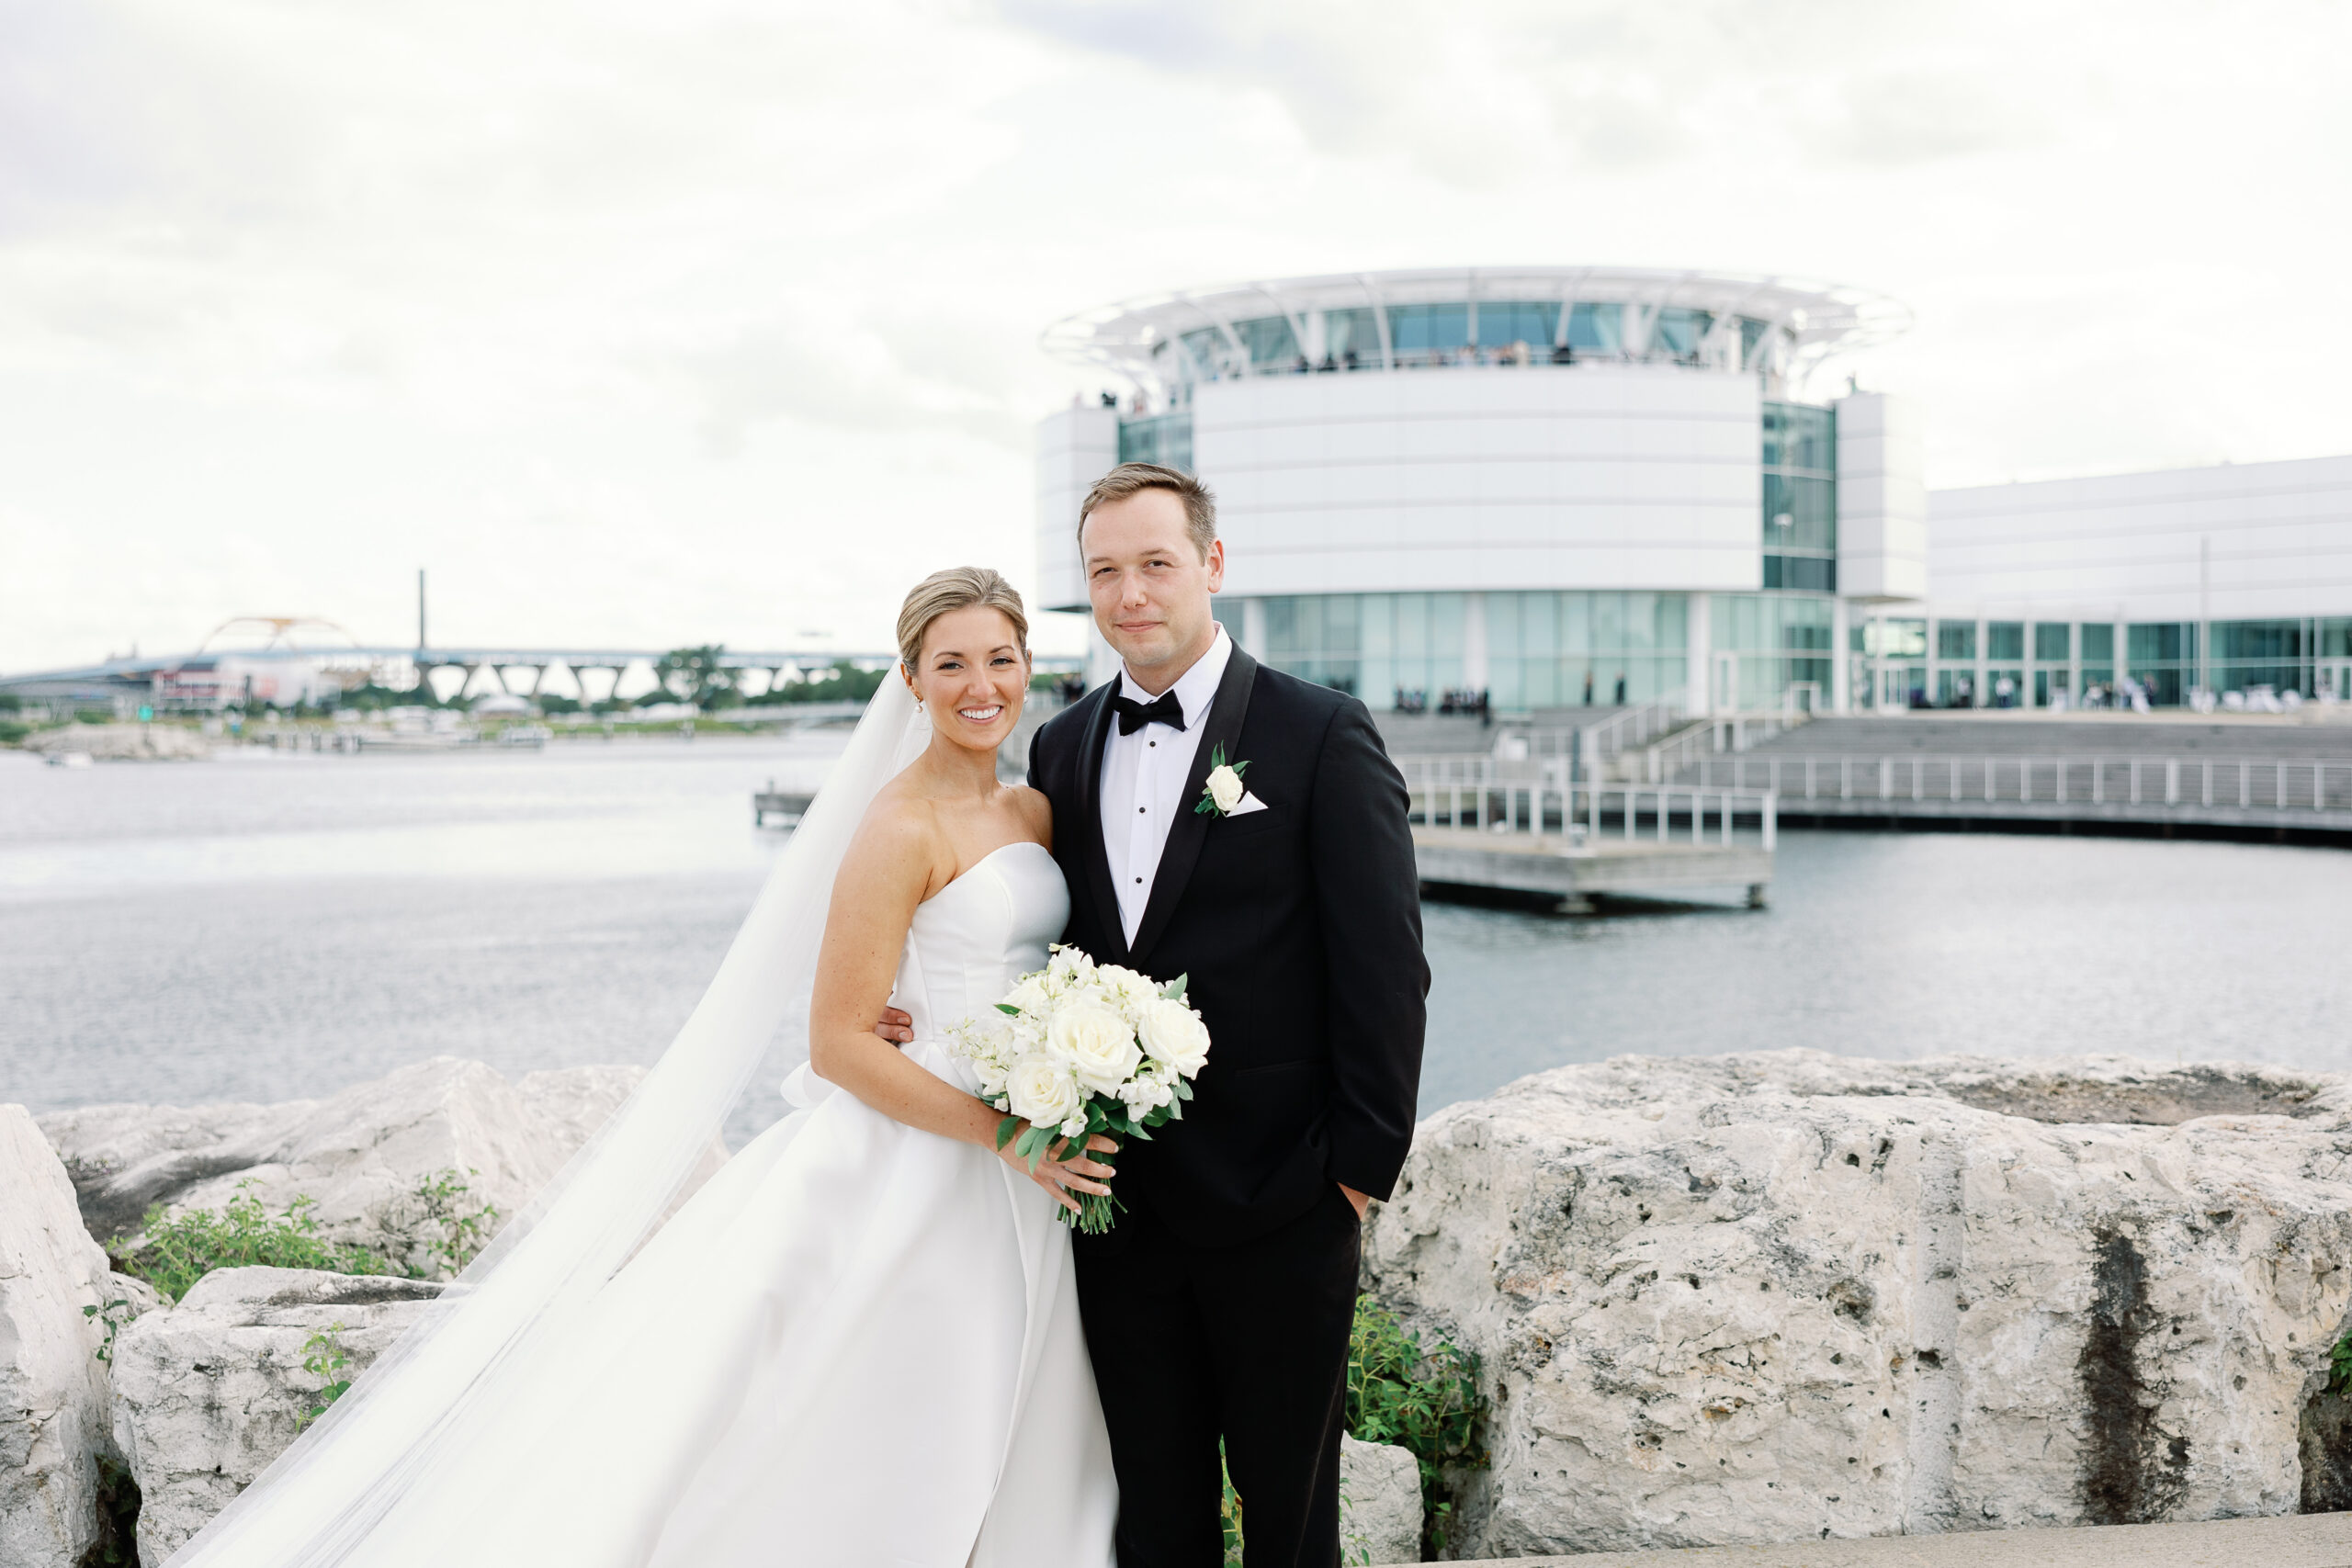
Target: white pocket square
1246,805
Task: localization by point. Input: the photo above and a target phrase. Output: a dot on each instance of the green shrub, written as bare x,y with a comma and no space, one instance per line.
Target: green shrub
1424,1399
11,731
173,1253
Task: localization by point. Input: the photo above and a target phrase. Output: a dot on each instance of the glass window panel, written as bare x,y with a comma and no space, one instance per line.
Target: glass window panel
1575,623
1420,329
1503,638
1673,621
1505,689
2005,639
1956,640
1412,625
1282,626
1376,621
1680,328
1269,340
1539,625
2098,643
2050,642
1342,617
1502,322
1210,351
1608,622
1446,614
2160,642
1598,328
1353,333
1641,622
1906,638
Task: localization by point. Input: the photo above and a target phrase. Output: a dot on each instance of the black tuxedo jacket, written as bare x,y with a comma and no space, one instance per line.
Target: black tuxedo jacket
1300,927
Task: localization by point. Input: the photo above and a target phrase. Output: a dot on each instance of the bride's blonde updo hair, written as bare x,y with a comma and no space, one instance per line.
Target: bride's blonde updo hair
958,588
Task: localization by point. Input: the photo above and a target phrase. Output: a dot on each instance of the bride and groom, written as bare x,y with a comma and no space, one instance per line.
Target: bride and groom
867,1340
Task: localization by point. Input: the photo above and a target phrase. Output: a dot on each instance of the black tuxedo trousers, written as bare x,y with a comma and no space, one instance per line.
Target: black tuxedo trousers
1218,1307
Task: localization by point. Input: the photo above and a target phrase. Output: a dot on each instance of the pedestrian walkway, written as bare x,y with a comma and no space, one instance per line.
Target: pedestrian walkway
2308,1540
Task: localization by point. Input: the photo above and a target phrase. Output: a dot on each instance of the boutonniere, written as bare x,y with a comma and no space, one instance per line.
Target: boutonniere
1224,789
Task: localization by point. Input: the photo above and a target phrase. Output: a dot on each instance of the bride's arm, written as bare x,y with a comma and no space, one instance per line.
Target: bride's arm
888,869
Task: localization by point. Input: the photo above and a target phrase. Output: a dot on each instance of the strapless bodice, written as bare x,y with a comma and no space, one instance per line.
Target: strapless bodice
972,939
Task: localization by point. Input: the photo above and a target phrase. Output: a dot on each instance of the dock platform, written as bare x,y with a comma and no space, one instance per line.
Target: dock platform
1477,826
1552,866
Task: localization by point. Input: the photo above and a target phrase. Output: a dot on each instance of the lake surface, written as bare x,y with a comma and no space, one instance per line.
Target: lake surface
269,926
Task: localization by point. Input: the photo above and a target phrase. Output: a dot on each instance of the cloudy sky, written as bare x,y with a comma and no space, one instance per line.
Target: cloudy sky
703,320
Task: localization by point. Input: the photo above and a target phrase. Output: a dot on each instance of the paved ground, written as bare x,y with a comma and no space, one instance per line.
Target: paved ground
2316,1540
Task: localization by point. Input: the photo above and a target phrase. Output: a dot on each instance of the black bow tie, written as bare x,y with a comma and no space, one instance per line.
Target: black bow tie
1133,715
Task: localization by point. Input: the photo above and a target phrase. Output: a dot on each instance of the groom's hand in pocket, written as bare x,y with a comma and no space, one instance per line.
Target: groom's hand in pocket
896,1027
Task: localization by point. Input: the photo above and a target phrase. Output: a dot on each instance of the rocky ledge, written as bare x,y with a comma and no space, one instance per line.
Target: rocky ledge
1791,1296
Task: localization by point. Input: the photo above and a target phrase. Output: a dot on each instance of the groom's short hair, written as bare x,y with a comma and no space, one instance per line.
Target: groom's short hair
1200,502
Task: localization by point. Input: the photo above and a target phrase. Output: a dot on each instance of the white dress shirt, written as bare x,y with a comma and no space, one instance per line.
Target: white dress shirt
1143,780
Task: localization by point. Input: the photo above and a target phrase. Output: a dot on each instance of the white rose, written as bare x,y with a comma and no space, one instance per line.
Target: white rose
1174,1035
1225,788
1028,995
1097,1042
1040,1091
1131,992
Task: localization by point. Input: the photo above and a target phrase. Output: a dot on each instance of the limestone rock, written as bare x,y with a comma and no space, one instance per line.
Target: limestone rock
1380,1503
1786,1296
53,1389
208,1393
361,1154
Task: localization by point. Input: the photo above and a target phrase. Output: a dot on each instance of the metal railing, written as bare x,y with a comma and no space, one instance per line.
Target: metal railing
1473,793
1733,732
2244,783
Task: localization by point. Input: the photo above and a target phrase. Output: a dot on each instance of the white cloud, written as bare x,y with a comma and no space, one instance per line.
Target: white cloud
709,321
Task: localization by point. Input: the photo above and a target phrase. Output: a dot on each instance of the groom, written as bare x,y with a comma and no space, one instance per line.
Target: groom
1218,1308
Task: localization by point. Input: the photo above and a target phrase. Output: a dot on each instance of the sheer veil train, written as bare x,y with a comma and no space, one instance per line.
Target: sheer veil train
491,1330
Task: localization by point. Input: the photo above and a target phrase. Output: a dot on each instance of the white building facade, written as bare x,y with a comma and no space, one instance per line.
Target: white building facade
1558,487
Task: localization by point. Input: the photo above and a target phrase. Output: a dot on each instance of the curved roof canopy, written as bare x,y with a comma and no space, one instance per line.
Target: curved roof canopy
1781,328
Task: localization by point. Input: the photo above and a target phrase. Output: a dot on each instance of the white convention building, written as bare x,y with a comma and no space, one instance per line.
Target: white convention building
1554,487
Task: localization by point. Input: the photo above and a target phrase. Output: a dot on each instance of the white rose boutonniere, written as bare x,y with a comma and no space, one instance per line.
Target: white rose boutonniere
1224,789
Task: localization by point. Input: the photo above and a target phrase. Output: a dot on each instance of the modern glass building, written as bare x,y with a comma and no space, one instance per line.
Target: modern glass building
1561,487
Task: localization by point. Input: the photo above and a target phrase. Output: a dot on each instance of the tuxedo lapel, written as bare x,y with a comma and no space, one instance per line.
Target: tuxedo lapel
1191,829
1090,823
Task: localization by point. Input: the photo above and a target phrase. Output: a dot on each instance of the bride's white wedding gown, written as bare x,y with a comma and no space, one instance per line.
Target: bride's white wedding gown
857,1344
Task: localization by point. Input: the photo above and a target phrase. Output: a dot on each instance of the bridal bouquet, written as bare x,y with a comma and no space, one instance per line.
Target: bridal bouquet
1079,1048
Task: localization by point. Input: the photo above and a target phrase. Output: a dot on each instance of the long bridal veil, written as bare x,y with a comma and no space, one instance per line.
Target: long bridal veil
487,1331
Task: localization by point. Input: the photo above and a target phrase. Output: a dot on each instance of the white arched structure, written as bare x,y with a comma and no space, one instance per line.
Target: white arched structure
1485,434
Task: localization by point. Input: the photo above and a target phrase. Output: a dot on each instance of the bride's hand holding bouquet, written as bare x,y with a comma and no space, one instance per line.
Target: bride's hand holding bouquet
1078,1055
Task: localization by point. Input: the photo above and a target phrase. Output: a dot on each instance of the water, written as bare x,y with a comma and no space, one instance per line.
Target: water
272,927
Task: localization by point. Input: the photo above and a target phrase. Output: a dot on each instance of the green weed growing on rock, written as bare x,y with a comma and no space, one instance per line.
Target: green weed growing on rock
323,1357
454,1229
1425,1399
172,1252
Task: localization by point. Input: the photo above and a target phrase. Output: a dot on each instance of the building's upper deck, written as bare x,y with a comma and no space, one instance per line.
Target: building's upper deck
1776,327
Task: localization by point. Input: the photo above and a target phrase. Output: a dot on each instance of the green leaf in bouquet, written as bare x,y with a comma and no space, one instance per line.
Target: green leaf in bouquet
1184,1087
1174,989
1006,1130
1007,1008
1138,1131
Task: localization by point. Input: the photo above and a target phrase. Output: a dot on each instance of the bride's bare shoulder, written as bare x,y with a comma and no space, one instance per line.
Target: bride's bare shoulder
901,829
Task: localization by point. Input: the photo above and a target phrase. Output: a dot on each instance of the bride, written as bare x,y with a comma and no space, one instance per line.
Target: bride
859,1342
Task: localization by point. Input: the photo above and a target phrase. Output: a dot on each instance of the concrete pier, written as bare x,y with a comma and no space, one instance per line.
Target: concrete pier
1574,871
